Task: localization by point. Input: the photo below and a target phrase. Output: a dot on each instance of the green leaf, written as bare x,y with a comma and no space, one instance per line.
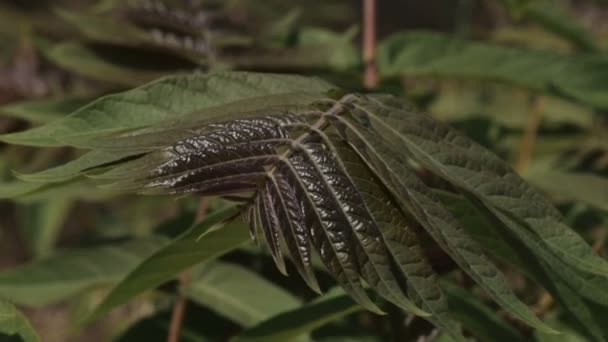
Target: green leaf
506,106
579,186
76,167
166,99
68,273
239,294
204,241
582,78
339,49
16,189
484,175
555,18
477,318
13,322
416,198
43,111
290,324
491,236
104,28
43,222
112,64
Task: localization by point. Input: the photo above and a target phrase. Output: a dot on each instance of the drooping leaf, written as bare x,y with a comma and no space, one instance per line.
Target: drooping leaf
66,274
429,54
13,322
239,294
487,232
290,324
417,199
202,242
481,173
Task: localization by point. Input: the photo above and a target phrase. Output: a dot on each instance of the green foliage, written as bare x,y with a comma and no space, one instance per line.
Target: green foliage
66,274
416,220
581,78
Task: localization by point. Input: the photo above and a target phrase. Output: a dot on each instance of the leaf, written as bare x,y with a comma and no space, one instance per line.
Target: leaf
322,172
104,28
77,167
68,273
16,189
492,237
484,175
202,242
164,99
340,51
506,106
429,54
239,294
43,223
478,318
416,198
13,322
579,186
112,64
291,324
43,111
555,18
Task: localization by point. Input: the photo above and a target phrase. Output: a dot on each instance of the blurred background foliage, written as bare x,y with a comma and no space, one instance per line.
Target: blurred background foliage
526,78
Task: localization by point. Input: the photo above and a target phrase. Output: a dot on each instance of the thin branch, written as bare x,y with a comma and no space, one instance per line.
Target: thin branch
179,308
369,43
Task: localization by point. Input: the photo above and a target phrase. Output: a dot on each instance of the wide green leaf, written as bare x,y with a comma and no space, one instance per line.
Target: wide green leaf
13,322
239,294
582,78
291,324
68,273
202,242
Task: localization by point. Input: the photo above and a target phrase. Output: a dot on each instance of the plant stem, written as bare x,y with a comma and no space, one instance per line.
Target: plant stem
177,316
179,308
369,43
528,141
